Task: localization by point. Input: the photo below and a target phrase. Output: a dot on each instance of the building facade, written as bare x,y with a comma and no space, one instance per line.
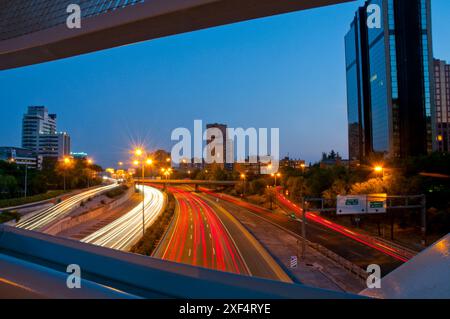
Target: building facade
219,153
35,122
21,157
389,81
40,136
442,99
54,145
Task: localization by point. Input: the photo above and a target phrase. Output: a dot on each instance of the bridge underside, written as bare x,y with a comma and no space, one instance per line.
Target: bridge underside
139,22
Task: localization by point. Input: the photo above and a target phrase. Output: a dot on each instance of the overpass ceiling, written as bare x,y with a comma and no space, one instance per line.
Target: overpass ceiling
35,31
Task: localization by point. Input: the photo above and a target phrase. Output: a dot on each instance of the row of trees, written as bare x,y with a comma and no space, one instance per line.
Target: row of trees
77,174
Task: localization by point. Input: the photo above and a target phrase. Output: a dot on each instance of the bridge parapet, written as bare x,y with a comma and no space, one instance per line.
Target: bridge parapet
142,276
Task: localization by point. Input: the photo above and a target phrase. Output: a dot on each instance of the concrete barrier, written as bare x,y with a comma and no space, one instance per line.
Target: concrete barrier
146,277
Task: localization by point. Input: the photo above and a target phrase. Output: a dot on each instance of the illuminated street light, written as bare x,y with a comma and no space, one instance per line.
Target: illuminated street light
276,175
138,152
90,161
66,161
243,177
379,170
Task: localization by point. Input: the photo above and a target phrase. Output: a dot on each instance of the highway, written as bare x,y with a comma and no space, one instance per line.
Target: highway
361,253
125,231
60,210
204,234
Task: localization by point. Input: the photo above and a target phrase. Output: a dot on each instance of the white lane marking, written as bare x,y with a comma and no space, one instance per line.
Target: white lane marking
191,236
214,251
189,253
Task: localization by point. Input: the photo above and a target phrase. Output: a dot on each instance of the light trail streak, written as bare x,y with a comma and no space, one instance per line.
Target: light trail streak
200,238
122,233
361,238
62,209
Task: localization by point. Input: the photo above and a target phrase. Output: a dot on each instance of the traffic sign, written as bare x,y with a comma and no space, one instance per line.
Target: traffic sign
351,205
294,262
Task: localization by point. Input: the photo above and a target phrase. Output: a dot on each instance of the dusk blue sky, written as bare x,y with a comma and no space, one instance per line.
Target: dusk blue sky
285,71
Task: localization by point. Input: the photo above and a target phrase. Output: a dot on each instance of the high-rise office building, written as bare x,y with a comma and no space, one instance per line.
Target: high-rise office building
54,145
442,99
36,121
39,134
389,80
221,147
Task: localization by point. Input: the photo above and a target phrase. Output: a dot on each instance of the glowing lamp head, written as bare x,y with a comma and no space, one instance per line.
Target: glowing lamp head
149,161
138,152
378,169
136,163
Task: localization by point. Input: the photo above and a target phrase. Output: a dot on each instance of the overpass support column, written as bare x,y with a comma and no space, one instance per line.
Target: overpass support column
196,188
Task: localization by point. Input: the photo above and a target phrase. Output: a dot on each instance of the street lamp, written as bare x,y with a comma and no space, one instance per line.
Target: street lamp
243,177
13,160
379,170
275,175
89,163
303,166
66,162
141,153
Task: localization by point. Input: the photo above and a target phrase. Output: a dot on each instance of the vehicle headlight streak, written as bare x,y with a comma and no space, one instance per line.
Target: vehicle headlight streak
122,233
60,210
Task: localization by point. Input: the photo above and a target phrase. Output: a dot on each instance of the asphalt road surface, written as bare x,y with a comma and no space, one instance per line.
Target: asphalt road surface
205,234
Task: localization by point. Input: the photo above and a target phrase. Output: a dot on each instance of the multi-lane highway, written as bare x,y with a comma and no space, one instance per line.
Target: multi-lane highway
125,231
49,215
360,252
206,235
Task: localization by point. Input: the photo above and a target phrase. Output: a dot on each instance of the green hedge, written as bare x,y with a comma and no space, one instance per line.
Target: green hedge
116,192
152,235
7,216
12,202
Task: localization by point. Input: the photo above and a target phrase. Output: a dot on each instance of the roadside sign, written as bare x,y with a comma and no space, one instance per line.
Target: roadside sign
294,262
376,203
351,205
361,204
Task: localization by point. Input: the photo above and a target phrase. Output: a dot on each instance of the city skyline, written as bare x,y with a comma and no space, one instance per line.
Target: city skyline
213,61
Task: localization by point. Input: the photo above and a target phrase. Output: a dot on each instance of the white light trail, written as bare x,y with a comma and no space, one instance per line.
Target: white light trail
60,210
122,233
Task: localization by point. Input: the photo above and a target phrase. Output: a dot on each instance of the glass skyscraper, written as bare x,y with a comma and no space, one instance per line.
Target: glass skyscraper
389,83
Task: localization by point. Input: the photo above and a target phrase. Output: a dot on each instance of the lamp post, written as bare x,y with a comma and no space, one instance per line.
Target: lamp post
66,163
379,170
25,190
303,166
243,177
140,153
89,163
275,175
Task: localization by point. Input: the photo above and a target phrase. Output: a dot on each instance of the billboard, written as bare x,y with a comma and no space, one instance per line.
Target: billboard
361,204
